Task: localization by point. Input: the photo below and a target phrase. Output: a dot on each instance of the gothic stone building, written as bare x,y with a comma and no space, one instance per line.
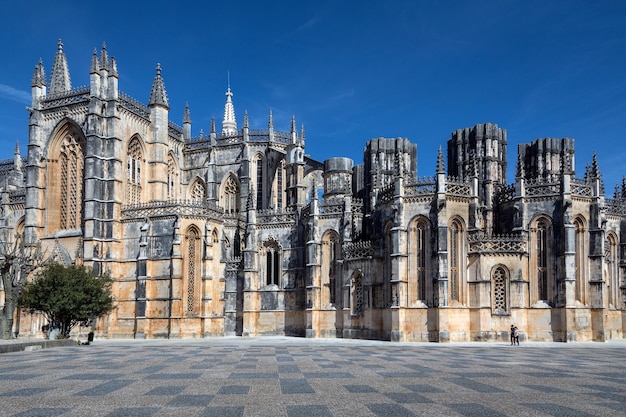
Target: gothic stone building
238,232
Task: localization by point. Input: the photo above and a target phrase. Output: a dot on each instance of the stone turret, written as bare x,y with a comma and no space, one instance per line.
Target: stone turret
187,124
159,111
229,123
38,85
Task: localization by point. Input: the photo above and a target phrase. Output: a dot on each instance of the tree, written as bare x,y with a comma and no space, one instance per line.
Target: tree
17,261
68,296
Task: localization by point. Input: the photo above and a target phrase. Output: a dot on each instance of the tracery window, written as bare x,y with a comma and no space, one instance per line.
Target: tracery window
193,268
134,161
330,256
613,270
580,257
542,260
356,289
419,256
172,178
259,182
279,186
71,164
198,191
387,271
272,263
230,196
500,285
456,262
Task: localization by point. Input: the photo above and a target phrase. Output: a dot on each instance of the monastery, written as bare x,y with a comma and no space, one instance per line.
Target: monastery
239,232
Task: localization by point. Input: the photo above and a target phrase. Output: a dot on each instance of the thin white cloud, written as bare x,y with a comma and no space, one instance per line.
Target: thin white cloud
10,93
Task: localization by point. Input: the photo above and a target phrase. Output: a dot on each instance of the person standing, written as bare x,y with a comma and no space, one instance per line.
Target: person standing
513,334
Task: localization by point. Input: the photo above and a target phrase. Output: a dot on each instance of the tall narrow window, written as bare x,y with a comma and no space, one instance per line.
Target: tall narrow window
259,183
418,261
193,267
542,260
580,257
499,282
456,254
330,256
133,177
71,160
272,263
613,271
172,178
230,196
356,284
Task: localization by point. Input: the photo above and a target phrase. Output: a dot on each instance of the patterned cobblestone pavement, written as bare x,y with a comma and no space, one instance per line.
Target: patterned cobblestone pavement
274,377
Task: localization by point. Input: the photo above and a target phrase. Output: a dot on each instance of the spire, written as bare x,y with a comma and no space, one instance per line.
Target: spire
187,115
113,68
94,67
595,170
441,168
213,131
294,133
623,195
229,124
104,57
39,76
60,75
302,134
270,123
158,96
245,120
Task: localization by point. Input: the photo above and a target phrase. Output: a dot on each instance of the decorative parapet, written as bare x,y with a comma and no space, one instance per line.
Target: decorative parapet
357,206
74,96
134,106
174,130
358,250
542,187
173,207
273,218
505,193
615,207
331,209
581,188
386,194
424,186
457,187
497,244
17,197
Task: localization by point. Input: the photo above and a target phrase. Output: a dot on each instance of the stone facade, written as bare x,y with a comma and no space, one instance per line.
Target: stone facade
240,233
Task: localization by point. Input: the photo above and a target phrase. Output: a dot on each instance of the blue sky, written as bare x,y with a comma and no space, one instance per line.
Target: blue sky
348,70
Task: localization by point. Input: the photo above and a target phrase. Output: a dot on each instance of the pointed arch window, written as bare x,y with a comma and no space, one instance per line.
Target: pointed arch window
134,172
356,294
230,196
580,258
387,268
272,263
500,290
613,270
259,182
198,191
193,264
71,164
419,260
456,261
279,186
543,260
330,256
172,178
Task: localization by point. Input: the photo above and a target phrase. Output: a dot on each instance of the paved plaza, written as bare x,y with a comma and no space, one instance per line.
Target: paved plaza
292,377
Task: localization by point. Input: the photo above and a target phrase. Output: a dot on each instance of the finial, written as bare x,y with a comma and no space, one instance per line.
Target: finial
441,169
302,134
187,114
158,96
60,45
520,167
595,170
17,148
212,125
245,120
270,123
